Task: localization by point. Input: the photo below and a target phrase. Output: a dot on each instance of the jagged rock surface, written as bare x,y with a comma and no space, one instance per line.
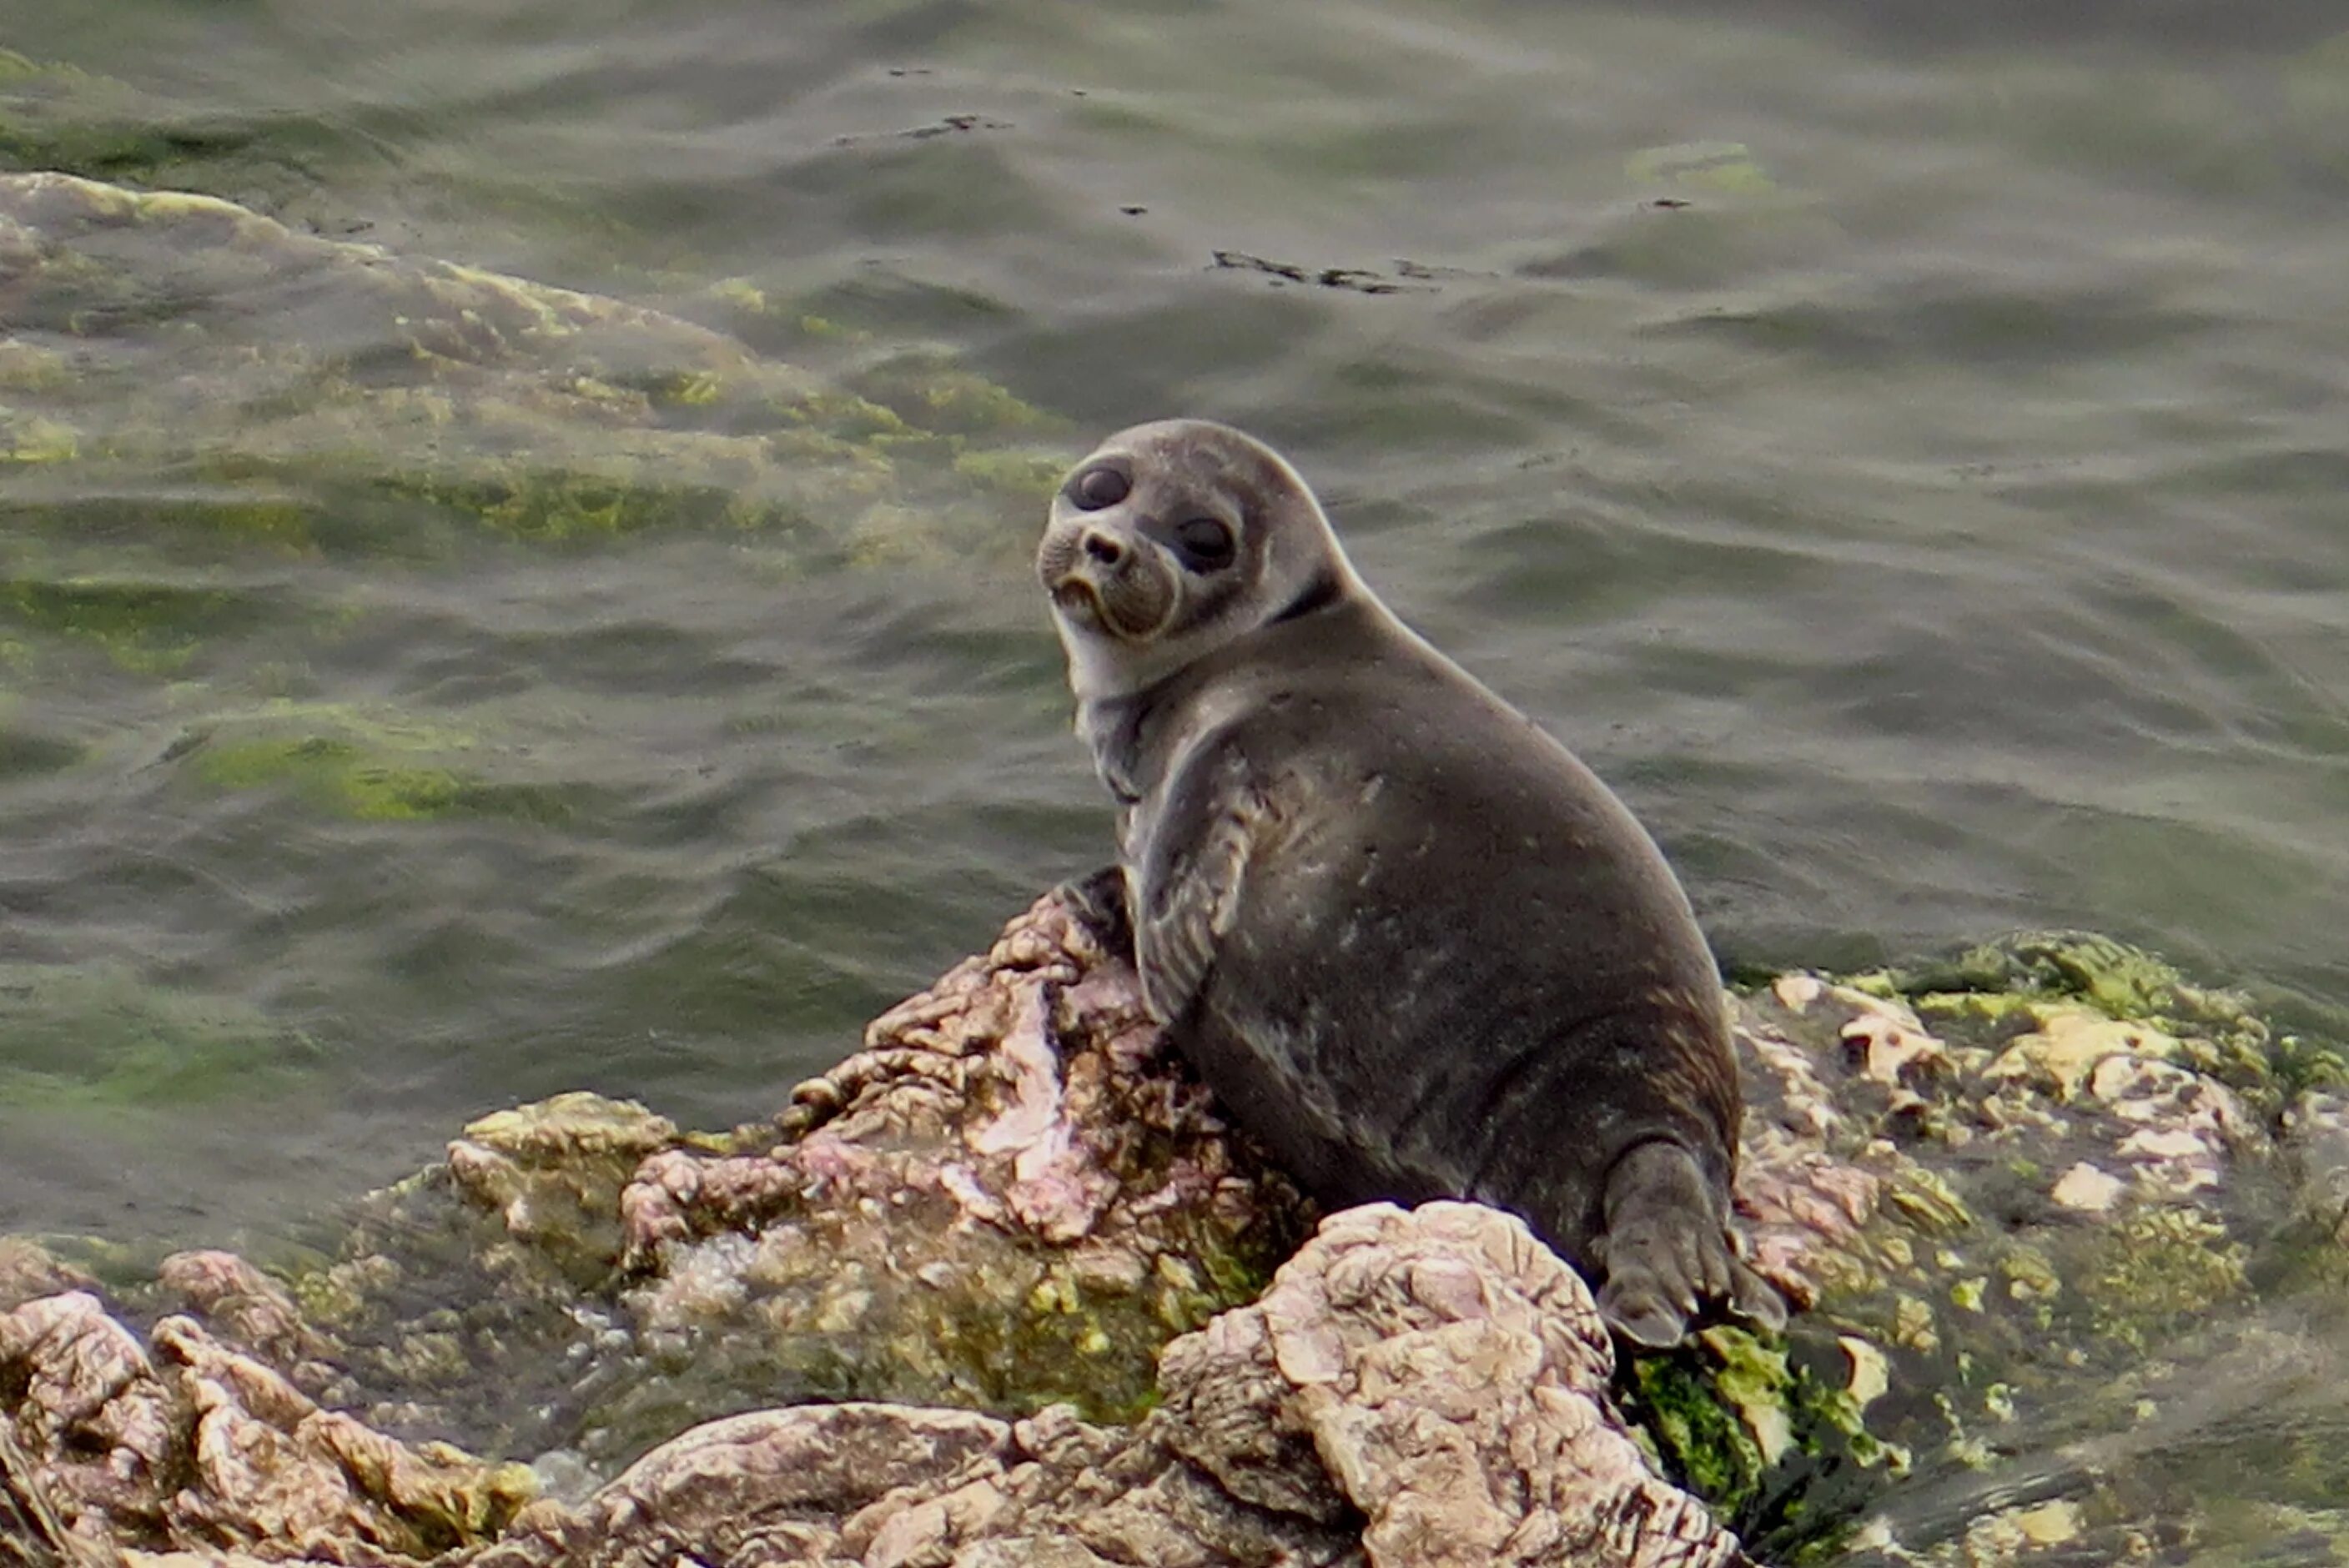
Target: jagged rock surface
1014,1196
1426,1389
182,1444
1074,1197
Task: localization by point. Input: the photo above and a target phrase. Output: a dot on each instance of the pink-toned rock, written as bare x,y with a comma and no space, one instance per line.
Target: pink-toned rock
1416,1390
1016,1146
189,1445
252,1311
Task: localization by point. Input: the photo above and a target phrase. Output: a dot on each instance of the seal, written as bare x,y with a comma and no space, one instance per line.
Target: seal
1415,947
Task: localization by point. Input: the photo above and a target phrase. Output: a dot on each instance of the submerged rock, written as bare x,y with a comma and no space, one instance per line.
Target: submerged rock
317,384
988,1293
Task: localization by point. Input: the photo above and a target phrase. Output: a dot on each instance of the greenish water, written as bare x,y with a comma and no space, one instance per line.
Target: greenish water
1901,449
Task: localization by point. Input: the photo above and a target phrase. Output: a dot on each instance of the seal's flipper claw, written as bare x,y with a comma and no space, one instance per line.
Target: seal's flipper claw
1099,901
1662,1234
1637,1305
1756,1300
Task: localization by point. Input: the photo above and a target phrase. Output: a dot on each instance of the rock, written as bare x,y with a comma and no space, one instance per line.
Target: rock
253,1312
29,1269
553,1172
324,377
1003,1269
2034,1182
1079,1199
1438,1377
185,1443
282,395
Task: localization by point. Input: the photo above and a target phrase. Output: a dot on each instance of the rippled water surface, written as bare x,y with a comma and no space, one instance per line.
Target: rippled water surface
1902,449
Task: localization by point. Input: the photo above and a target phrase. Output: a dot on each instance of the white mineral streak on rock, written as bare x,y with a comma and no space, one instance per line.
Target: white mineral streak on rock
1054,1189
2085,1188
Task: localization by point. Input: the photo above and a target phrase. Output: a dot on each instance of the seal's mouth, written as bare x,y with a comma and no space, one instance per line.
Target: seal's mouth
1080,601
1124,594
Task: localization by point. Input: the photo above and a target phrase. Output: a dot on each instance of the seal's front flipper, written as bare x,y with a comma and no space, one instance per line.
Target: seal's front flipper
1664,1248
1099,901
1756,1300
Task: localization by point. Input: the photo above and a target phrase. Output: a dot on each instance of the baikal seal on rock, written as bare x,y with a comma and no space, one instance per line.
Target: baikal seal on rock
1414,944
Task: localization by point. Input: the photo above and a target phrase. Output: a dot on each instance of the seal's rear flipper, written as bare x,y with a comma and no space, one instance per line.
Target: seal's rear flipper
1664,1248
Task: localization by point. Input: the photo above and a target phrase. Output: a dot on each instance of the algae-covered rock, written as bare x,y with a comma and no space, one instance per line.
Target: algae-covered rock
1999,1184
555,1171
197,399
1078,1200
1015,1195
100,1037
312,394
2045,1183
1415,1390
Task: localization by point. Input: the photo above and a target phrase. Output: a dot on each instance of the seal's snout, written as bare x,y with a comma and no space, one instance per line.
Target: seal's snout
1056,558
1105,579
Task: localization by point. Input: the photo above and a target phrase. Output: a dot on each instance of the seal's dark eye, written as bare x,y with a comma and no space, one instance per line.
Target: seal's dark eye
1097,487
1207,543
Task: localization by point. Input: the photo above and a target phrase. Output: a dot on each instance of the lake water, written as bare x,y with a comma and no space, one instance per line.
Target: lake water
1901,447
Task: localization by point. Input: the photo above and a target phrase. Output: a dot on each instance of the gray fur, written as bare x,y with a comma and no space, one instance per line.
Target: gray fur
1414,945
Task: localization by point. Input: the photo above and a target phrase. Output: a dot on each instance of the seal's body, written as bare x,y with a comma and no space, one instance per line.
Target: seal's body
1415,947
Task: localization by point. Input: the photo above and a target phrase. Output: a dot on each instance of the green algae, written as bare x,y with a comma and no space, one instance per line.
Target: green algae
365,764
335,774
1021,474
99,1038
2159,1272
555,506
932,392
532,413
58,116
1778,1449
34,439
150,628
1971,1089
1725,167
2006,984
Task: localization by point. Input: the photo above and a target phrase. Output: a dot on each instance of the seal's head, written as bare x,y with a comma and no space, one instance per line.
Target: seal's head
1171,540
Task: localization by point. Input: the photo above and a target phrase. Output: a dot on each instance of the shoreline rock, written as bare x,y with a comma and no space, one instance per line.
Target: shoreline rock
1008,1257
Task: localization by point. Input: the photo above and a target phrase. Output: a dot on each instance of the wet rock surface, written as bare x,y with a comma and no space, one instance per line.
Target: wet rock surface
1425,1388
995,1290
182,1441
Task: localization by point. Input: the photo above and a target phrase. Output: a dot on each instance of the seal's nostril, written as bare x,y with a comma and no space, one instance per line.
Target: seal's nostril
1105,549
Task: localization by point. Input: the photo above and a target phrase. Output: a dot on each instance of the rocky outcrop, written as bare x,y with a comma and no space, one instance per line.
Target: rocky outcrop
181,1442
1425,1389
994,1291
